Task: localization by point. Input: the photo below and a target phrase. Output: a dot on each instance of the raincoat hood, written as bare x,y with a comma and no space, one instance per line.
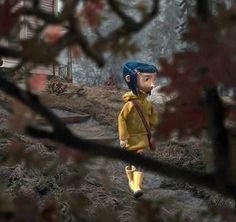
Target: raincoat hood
130,96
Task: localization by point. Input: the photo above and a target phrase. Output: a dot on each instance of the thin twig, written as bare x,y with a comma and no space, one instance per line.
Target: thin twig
64,136
126,29
125,18
33,102
218,134
203,10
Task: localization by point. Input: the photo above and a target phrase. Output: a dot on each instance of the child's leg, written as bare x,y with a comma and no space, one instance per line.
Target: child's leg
138,178
129,167
140,152
129,170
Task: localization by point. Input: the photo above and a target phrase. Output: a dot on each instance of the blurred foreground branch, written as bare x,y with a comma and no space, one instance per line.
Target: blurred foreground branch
70,22
64,136
26,50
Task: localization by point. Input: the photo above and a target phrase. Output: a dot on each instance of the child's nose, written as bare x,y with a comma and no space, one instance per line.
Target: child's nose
153,85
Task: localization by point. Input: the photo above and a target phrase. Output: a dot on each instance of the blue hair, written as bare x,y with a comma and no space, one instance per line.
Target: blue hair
131,68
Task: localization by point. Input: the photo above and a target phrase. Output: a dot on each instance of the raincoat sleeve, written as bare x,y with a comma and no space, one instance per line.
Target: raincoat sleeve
122,126
153,116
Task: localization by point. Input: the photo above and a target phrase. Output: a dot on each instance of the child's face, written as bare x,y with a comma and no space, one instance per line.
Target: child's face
146,81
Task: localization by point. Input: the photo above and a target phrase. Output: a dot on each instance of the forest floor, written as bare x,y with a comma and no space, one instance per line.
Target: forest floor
98,187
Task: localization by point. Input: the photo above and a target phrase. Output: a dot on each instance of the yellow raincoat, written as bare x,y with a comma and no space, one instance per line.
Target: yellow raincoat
130,125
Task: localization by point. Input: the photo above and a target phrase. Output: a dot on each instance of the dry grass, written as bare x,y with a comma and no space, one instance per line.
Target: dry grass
102,103
96,185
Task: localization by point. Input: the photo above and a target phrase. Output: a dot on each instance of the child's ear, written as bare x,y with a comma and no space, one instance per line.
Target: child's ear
127,78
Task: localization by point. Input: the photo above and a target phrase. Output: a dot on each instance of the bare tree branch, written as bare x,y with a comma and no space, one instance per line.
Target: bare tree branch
95,149
75,36
84,44
125,18
64,136
9,52
33,102
127,28
36,3
218,135
203,9
217,131
218,181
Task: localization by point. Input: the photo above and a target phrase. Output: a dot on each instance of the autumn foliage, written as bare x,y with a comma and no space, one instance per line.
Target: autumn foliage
194,75
207,64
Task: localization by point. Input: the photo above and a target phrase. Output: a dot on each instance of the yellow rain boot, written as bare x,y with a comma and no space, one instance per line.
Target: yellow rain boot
130,176
138,179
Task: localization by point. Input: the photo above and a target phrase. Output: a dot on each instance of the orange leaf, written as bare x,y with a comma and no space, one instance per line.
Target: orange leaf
37,82
52,33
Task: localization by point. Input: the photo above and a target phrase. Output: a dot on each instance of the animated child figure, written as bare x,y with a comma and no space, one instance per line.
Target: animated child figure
133,136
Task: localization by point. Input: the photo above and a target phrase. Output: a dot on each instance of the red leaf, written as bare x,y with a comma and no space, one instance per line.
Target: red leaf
211,61
184,113
216,47
49,212
52,33
8,17
37,82
187,120
92,12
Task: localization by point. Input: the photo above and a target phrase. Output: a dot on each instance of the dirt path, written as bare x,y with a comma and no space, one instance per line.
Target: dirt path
178,200
100,184
103,105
